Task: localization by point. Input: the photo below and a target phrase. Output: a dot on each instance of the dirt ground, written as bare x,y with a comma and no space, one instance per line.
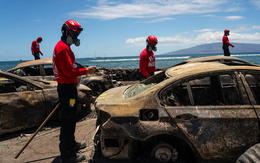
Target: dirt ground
44,148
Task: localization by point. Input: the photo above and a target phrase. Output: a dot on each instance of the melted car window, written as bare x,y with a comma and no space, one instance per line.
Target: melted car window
151,81
9,85
20,72
209,90
177,95
254,84
136,89
32,71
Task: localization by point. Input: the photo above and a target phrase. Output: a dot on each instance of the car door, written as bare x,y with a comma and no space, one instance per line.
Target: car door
251,82
214,114
22,105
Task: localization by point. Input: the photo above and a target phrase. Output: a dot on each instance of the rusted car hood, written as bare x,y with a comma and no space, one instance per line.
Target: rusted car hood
114,103
115,93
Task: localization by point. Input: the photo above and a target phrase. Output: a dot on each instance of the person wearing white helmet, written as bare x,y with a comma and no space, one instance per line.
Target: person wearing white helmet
66,74
226,43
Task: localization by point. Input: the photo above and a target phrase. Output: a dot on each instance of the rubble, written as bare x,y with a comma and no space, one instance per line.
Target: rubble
121,76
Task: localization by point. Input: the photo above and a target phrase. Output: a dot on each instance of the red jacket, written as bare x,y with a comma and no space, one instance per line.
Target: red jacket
147,63
64,67
35,47
226,41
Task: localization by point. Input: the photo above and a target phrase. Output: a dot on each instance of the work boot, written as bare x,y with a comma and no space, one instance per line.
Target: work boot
75,158
79,146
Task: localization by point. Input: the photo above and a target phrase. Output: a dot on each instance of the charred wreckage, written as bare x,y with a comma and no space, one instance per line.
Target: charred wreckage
25,103
201,110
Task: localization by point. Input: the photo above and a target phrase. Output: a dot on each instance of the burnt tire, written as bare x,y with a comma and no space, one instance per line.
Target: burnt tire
162,153
96,88
252,155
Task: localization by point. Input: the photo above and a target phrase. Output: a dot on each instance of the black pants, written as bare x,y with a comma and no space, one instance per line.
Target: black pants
226,50
67,94
37,55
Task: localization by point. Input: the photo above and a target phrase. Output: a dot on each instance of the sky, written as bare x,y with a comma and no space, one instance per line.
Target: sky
114,28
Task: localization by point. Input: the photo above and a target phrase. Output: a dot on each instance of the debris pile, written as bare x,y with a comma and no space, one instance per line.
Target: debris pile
122,74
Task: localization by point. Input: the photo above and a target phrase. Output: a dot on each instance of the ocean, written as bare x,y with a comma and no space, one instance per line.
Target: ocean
162,61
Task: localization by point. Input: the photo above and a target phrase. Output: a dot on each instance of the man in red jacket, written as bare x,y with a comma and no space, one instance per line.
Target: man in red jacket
226,43
36,48
66,74
147,58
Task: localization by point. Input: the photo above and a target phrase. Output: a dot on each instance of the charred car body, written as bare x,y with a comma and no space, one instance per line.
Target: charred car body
42,69
25,103
206,111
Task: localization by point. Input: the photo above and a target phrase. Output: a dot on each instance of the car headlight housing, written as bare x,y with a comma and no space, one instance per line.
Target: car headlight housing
149,115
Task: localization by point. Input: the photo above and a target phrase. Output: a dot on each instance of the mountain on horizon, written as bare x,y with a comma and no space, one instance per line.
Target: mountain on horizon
216,48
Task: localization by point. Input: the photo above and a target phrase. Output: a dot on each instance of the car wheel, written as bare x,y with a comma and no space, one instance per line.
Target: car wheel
96,88
252,155
164,153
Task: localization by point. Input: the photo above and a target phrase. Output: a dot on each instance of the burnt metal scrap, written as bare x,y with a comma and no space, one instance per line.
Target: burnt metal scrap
206,111
25,103
123,74
42,69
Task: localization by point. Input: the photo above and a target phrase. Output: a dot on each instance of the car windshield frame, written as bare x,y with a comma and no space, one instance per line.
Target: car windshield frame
145,84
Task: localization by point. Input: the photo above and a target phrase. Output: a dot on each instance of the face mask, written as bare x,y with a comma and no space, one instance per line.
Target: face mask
69,40
154,48
150,49
73,40
77,42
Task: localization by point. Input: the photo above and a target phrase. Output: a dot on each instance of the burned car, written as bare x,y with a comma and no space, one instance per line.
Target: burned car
42,69
193,112
221,59
25,103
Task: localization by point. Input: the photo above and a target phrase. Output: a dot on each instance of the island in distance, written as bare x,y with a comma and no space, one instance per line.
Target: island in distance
216,48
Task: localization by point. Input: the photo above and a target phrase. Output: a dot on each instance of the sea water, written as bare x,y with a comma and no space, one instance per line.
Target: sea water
133,61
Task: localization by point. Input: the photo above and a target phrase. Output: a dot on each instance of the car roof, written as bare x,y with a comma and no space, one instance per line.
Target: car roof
200,67
45,61
19,78
221,59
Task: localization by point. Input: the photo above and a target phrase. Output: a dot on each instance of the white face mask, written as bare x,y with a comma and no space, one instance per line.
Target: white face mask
70,40
150,49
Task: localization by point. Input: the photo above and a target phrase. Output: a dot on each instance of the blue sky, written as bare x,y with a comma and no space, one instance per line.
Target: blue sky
113,28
